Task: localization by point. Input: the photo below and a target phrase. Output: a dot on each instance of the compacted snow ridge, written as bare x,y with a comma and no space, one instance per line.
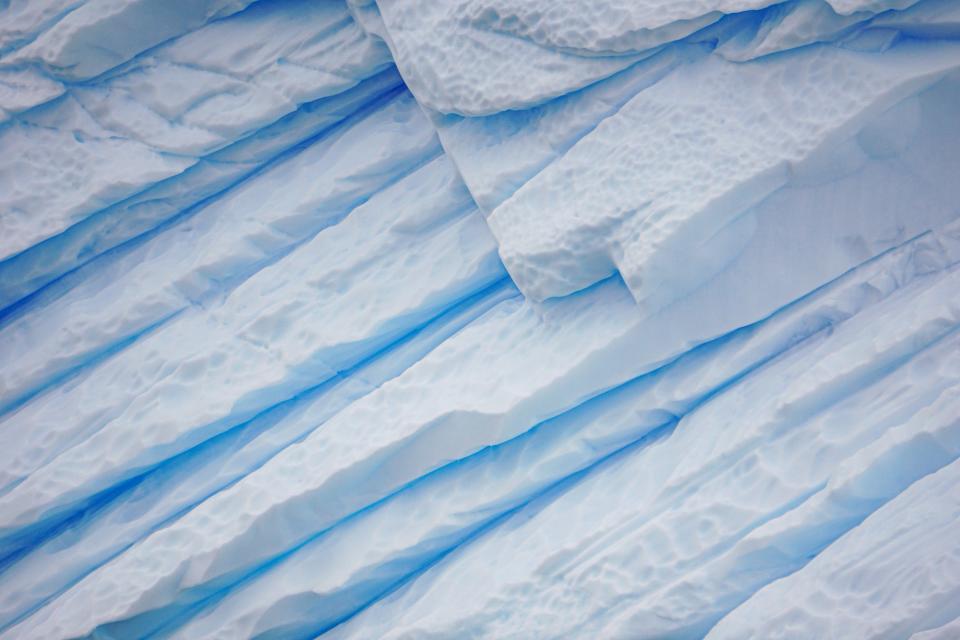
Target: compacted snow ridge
503,319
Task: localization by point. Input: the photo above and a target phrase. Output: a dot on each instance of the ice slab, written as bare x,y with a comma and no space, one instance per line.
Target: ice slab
445,511
266,372
622,552
905,554
79,40
113,158
679,164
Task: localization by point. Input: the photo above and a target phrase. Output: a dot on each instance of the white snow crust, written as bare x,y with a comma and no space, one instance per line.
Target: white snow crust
479,319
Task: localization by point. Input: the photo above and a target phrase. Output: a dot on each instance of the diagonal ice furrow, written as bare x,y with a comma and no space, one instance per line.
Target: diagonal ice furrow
261,516
660,512
231,514
922,444
895,574
169,200
190,263
97,35
419,525
307,414
50,44
411,251
162,286
62,162
799,23
185,481
266,372
407,534
177,108
206,255
218,84
24,21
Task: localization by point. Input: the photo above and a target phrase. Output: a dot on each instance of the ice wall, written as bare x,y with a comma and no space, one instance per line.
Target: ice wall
481,318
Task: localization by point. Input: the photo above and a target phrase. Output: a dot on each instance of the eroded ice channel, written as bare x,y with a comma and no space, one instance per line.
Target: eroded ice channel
481,318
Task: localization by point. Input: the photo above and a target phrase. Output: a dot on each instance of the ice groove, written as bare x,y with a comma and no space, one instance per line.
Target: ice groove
479,319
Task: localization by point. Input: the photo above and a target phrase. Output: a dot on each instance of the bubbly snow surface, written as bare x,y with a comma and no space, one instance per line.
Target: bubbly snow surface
479,319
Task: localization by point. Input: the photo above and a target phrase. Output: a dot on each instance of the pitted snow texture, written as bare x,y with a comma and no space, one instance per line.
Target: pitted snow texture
677,165
487,318
478,57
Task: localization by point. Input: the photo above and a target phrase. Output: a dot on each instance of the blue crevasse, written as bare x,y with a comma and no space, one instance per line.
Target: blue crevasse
483,318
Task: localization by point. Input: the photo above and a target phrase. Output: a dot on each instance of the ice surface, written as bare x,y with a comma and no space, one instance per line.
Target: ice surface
479,319
182,120
678,173
498,481
905,553
636,535
477,57
82,39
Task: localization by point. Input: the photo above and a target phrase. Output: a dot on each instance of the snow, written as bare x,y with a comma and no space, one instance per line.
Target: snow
254,317
677,174
637,537
91,37
479,57
905,553
130,145
479,319
494,483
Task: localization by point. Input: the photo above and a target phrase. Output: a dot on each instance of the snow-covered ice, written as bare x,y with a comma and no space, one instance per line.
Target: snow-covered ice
479,319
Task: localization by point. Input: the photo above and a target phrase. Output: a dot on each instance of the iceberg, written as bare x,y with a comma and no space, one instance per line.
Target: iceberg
479,319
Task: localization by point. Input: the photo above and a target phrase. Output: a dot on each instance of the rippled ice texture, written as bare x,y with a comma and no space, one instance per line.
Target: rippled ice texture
479,319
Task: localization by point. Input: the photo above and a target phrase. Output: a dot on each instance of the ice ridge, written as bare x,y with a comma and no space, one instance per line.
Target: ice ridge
479,319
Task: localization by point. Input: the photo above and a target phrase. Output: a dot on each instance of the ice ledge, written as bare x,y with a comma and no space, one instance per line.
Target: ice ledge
593,150
669,190
480,57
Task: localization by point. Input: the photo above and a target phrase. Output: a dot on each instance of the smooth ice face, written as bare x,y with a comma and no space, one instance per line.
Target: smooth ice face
481,318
